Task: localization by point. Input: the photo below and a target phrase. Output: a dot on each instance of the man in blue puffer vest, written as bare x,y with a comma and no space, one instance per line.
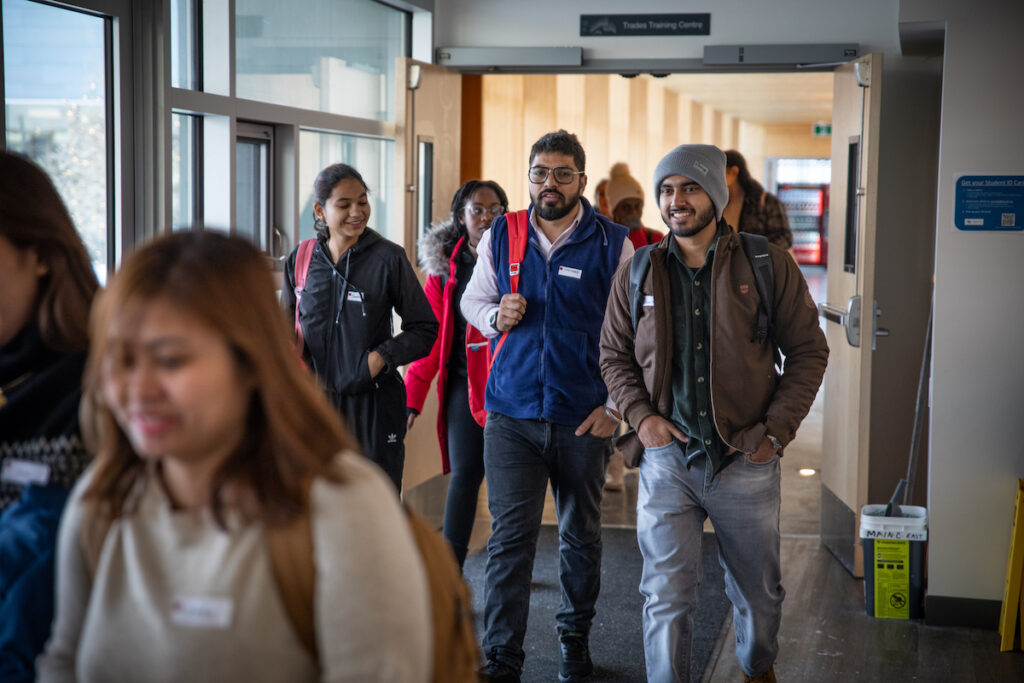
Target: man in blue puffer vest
546,402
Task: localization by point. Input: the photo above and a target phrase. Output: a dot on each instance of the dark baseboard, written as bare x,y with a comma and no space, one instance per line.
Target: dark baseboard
943,611
838,529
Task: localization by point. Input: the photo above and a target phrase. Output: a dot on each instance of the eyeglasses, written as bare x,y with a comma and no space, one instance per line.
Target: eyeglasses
563,174
478,211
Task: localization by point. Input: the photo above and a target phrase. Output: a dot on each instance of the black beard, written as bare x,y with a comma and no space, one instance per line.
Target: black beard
703,220
554,213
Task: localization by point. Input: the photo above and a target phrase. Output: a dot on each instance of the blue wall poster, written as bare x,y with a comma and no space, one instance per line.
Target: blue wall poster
989,202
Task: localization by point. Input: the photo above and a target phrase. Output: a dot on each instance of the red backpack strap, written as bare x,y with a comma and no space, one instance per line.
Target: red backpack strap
518,236
302,260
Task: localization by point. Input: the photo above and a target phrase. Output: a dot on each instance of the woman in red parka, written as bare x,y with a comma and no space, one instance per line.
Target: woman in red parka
459,356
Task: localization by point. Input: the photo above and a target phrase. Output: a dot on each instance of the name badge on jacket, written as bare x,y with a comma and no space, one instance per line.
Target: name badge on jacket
566,271
197,611
354,296
25,472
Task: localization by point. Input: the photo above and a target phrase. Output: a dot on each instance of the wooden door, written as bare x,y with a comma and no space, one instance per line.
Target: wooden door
850,310
427,153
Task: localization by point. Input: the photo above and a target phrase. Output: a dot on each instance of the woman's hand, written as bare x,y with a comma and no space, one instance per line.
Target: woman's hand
376,363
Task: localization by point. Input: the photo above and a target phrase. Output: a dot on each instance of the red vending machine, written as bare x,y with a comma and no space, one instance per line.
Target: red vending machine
806,207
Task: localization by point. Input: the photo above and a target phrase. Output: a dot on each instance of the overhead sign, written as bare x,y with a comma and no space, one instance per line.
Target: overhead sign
821,129
645,25
989,202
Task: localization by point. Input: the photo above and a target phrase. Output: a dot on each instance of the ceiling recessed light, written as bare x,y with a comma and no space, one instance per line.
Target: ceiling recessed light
807,471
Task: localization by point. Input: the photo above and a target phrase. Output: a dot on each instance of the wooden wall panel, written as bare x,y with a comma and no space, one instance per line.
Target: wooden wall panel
504,159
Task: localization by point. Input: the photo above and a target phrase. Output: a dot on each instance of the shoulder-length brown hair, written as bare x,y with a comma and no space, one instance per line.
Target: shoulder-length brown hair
291,433
32,216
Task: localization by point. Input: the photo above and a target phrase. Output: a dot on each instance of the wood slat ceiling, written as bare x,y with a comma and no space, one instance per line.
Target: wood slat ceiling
765,99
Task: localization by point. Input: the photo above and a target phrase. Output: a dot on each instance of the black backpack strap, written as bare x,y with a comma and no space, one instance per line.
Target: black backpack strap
759,255
638,267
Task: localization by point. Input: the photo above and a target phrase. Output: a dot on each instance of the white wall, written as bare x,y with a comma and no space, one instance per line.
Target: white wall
523,23
975,448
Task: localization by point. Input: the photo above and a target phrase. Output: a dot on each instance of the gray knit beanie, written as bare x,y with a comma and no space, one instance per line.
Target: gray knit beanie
703,164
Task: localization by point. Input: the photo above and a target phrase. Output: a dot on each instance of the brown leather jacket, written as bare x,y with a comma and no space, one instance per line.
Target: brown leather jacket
749,398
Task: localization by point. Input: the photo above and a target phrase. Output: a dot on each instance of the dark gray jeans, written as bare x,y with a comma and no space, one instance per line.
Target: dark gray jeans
520,457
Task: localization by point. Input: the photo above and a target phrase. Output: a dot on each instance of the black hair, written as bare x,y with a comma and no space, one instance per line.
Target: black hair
463,194
561,142
324,184
734,158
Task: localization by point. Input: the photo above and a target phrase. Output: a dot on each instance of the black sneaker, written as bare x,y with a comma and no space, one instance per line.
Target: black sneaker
498,672
576,664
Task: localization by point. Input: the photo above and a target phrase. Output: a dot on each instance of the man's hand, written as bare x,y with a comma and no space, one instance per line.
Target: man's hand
765,451
511,310
597,423
376,363
409,420
655,431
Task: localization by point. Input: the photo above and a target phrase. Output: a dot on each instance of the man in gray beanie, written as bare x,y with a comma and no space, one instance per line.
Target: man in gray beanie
708,442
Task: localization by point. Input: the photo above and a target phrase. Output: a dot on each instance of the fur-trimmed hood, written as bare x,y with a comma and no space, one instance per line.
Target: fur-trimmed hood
435,248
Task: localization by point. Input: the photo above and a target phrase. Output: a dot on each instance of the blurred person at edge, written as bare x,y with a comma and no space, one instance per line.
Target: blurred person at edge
459,356
209,440
356,279
46,287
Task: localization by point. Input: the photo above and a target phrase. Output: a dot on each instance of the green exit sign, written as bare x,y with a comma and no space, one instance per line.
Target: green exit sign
821,129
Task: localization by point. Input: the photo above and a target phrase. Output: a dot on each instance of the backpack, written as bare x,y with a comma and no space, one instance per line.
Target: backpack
456,655
303,258
758,254
518,236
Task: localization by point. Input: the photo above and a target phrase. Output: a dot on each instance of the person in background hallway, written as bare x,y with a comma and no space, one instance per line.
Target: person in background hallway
459,356
547,415
601,199
625,196
711,413
46,287
626,199
211,443
355,280
751,208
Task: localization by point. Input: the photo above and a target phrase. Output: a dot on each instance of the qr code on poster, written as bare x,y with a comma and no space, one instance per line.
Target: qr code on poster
1009,220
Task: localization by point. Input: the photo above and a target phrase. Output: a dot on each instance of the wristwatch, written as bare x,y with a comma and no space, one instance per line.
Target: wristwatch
492,320
776,444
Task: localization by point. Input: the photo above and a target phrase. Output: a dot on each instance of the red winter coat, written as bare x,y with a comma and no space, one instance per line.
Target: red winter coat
439,250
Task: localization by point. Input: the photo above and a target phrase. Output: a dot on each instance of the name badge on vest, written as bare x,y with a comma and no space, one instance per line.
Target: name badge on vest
566,271
25,472
648,300
202,612
355,296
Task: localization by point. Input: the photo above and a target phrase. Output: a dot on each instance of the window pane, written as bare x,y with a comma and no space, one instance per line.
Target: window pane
184,182
55,103
336,56
184,73
370,156
250,190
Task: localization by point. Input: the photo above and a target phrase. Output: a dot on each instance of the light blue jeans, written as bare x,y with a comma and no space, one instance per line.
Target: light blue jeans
742,501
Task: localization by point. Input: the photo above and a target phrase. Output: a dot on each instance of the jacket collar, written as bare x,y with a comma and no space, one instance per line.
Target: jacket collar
437,247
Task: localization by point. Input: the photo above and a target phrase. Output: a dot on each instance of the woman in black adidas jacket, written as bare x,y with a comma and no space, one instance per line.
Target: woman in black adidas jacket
355,279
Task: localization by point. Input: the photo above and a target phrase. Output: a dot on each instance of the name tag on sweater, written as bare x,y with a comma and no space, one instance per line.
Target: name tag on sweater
355,296
566,271
25,472
202,612
648,300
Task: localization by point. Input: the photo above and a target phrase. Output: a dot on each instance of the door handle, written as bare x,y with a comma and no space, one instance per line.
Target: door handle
849,319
